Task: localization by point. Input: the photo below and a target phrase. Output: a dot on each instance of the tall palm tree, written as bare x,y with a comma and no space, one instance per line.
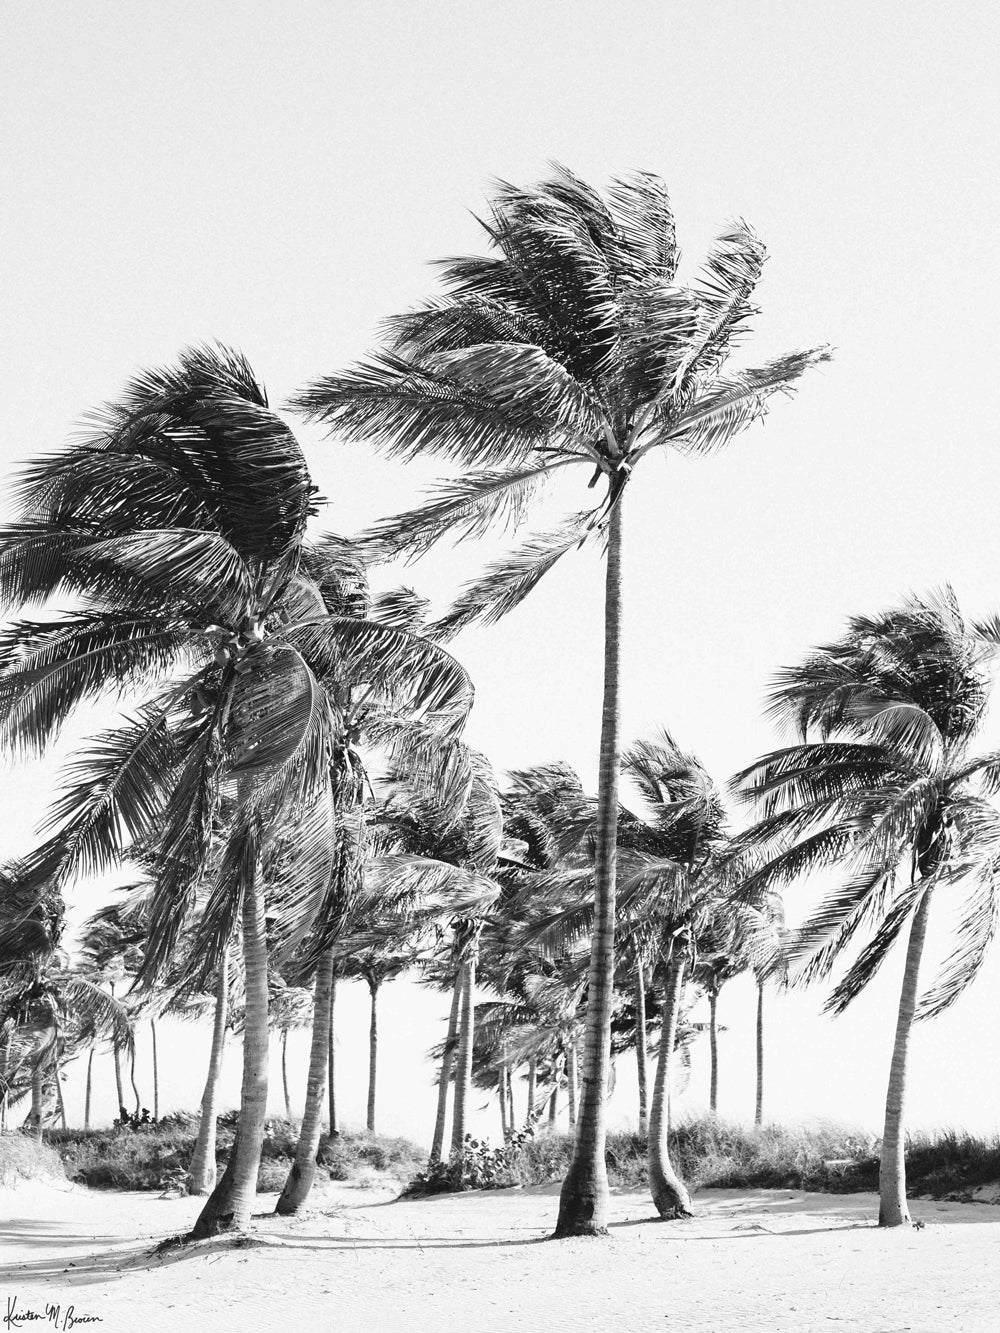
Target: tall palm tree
574,345
179,520
889,797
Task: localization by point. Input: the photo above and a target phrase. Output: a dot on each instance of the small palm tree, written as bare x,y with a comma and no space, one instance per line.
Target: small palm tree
574,346
889,797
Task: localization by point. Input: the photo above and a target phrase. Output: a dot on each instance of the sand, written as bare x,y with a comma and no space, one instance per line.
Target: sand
358,1260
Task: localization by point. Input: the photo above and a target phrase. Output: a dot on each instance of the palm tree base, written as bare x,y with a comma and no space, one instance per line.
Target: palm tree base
583,1205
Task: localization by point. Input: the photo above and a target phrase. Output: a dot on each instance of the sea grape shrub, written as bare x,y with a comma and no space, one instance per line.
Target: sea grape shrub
480,1167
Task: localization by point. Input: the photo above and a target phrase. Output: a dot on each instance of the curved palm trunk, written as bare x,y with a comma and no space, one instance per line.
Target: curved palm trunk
156,1072
303,1172
893,1211
284,1074
668,1190
758,1116
229,1205
331,1085
642,1063
463,1069
713,1046
583,1202
447,1061
135,1090
373,987
203,1162
118,1063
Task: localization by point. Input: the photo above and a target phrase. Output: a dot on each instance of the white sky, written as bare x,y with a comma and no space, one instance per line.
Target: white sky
277,176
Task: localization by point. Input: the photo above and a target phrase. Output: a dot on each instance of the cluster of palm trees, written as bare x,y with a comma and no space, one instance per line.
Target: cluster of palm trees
292,780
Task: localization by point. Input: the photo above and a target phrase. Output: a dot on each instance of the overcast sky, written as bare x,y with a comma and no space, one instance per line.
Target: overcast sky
277,176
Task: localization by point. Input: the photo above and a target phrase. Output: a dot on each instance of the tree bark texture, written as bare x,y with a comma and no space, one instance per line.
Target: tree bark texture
203,1162
668,1190
331,1081
230,1204
893,1211
463,1067
303,1171
642,1063
583,1202
758,1115
713,1046
373,987
447,1063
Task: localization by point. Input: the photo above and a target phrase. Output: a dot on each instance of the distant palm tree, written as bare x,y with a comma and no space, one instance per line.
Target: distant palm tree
573,347
888,796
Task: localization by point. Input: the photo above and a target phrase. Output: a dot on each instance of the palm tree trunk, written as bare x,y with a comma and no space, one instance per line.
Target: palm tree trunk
642,1063
758,1116
59,1095
463,1070
532,1089
447,1061
510,1101
669,1193
583,1202
372,1054
86,1100
118,1064
135,1090
303,1172
331,1085
203,1162
156,1073
229,1206
893,1211
4,1090
502,1094
37,1100
552,1107
571,1082
713,1046
284,1074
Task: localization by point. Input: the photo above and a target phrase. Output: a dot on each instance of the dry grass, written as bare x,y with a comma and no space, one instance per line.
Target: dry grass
24,1158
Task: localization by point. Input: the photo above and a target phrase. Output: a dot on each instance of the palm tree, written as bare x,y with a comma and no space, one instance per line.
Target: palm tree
180,521
888,796
573,345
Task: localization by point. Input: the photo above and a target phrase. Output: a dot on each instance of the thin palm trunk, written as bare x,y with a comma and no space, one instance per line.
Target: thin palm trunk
4,1089
668,1190
502,1095
893,1211
571,1082
284,1074
642,1063
331,1083
303,1171
447,1062
135,1090
229,1206
86,1098
373,987
203,1162
532,1089
713,1046
463,1070
758,1117
59,1095
583,1202
512,1120
37,1099
118,1064
552,1107
156,1073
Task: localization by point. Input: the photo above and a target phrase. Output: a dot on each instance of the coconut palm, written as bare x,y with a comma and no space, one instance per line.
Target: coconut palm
889,798
574,345
180,520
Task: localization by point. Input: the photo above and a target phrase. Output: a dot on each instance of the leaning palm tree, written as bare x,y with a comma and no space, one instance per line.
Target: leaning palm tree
887,796
179,521
573,346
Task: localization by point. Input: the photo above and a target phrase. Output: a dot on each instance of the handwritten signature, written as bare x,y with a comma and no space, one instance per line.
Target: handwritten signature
53,1315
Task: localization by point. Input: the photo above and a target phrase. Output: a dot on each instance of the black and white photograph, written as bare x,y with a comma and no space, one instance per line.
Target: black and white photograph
499,665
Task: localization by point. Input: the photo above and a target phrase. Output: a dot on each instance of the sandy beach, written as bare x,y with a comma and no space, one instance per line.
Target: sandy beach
760,1260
